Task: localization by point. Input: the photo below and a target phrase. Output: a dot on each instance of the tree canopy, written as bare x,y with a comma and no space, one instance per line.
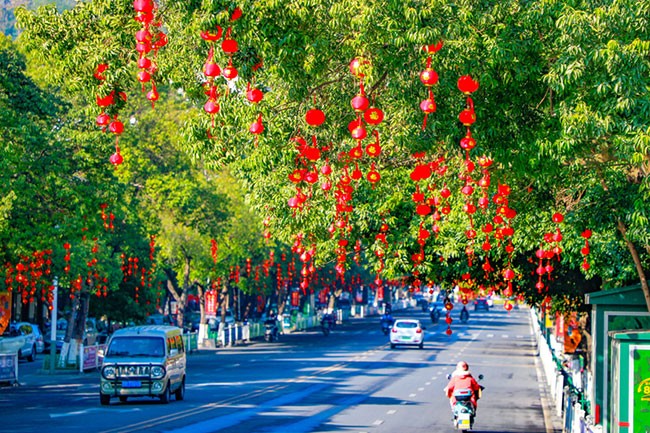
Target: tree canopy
557,142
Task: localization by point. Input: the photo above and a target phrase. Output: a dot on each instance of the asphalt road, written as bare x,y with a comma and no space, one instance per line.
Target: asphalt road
349,381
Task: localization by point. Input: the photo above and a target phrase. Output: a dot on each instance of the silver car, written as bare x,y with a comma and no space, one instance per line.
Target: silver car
34,342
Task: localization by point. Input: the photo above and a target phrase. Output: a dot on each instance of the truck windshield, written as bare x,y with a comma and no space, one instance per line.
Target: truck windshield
134,346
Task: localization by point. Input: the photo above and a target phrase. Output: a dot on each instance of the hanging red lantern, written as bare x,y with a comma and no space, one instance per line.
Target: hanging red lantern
315,117
558,217
253,94
429,77
257,127
116,127
373,116
211,107
229,46
360,103
359,132
467,117
116,158
357,65
467,85
373,175
468,143
230,72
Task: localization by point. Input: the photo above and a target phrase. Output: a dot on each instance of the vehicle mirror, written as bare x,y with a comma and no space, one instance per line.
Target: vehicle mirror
480,377
448,376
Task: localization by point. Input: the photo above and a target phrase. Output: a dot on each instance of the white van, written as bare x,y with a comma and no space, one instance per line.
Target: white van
144,361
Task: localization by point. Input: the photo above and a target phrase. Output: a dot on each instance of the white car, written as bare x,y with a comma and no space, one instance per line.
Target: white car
407,332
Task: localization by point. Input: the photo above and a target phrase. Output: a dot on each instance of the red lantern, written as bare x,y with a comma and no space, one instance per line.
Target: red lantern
429,77
315,117
257,127
116,158
360,103
211,107
229,46
373,116
116,127
558,217
359,132
467,85
230,72
467,117
254,94
468,143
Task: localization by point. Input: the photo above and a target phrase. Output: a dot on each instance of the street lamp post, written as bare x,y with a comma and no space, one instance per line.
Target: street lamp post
55,300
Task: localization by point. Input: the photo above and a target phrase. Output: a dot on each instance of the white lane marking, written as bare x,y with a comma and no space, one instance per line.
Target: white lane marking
420,389
391,412
412,395
378,422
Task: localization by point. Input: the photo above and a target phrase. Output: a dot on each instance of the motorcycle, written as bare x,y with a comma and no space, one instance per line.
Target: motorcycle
463,410
271,332
386,323
327,323
434,314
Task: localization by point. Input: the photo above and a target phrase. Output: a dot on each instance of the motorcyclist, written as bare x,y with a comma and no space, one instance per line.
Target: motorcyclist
461,378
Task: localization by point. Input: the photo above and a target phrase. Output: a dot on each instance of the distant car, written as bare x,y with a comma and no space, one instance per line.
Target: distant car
89,338
481,304
34,342
407,332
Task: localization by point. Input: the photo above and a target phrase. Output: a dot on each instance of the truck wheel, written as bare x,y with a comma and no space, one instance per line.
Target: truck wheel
104,399
180,392
165,396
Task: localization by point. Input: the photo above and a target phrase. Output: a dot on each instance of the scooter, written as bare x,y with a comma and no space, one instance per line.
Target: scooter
463,410
271,330
327,323
434,314
386,324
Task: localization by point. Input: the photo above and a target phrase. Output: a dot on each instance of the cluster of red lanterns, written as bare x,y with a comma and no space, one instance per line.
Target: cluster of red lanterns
380,252
30,273
212,71
429,77
149,39
107,218
109,105
586,234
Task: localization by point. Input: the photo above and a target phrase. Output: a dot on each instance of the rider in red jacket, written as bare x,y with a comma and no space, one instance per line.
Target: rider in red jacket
461,378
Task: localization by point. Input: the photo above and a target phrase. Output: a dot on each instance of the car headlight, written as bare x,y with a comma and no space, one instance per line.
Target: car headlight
157,372
108,372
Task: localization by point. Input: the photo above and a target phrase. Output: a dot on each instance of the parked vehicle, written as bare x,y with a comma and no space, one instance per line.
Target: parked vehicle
34,343
12,340
89,337
144,361
407,332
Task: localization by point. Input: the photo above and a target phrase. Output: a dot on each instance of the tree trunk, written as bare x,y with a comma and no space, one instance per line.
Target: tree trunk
637,263
178,296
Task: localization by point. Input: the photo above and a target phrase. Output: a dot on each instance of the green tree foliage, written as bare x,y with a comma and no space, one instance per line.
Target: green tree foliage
562,109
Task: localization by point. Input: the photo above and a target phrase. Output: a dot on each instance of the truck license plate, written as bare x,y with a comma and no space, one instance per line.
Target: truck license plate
131,384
